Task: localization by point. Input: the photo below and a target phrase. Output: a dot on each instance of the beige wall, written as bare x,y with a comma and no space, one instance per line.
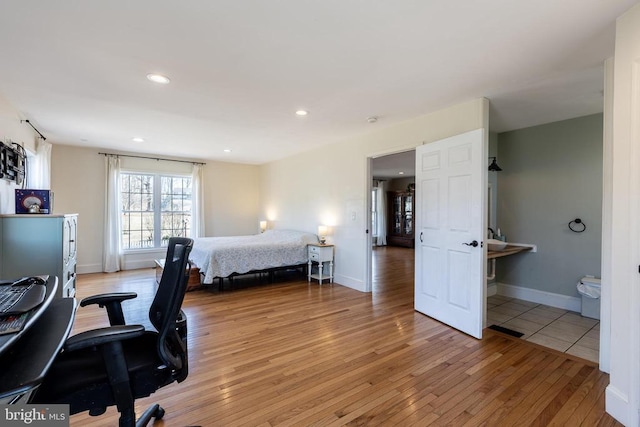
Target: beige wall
400,184
77,179
330,185
231,199
77,182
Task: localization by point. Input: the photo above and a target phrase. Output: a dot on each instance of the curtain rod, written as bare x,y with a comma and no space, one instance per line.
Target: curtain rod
152,158
34,128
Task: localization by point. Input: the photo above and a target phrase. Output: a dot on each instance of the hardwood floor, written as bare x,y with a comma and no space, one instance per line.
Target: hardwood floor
294,354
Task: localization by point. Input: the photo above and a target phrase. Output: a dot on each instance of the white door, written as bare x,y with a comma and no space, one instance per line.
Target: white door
450,230
621,282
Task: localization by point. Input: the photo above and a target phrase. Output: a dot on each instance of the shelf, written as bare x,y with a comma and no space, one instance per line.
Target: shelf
509,250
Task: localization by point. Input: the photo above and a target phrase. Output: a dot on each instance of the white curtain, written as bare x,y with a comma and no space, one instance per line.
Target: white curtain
39,174
111,258
381,212
197,202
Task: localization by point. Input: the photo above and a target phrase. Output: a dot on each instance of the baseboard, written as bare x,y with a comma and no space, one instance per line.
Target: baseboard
492,290
137,264
547,298
127,265
349,282
88,268
617,405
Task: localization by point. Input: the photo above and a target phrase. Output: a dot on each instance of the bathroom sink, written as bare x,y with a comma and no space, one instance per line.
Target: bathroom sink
496,245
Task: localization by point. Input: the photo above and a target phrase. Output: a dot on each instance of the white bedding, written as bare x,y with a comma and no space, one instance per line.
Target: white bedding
223,256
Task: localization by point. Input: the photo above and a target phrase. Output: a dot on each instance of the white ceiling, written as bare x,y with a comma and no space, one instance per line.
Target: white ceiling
398,165
241,68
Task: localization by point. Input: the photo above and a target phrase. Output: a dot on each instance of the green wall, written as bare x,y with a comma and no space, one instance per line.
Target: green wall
551,174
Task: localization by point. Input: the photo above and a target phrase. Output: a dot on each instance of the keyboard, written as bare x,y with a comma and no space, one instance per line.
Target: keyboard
21,296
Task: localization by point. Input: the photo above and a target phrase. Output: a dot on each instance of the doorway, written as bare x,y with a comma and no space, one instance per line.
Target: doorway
550,175
392,180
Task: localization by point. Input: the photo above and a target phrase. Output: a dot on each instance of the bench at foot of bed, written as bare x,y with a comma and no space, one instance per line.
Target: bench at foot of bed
194,275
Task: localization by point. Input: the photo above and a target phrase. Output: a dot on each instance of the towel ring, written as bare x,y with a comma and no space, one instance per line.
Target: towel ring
575,224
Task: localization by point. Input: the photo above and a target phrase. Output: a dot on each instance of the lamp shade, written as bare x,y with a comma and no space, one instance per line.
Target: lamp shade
263,226
322,233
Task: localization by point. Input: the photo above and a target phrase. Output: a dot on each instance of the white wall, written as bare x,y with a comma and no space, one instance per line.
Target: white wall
330,185
12,129
78,176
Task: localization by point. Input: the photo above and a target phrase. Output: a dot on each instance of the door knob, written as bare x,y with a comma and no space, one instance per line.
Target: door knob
474,243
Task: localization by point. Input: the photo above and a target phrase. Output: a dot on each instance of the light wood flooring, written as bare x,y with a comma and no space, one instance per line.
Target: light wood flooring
291,353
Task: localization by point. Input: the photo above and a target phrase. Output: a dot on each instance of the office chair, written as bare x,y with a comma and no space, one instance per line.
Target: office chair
117,364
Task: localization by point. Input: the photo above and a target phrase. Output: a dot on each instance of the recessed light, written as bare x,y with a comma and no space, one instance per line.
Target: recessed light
400,173
302,112
137,139
158,78
372,119
227,150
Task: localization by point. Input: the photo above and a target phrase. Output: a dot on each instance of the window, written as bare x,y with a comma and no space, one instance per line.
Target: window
154,208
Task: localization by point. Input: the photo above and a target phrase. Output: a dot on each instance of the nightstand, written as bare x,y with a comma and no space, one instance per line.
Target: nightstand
320,254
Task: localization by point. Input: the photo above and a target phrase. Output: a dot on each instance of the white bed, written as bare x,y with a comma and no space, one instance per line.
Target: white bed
219,257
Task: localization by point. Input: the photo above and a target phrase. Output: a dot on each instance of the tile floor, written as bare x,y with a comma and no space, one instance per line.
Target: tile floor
551,327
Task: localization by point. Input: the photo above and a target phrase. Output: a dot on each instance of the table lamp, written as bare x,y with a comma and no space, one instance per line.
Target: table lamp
322,234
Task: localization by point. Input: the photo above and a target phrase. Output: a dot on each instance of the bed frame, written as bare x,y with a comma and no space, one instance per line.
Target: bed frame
269,271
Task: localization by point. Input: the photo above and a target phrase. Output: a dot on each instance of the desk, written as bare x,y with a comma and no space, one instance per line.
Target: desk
27,355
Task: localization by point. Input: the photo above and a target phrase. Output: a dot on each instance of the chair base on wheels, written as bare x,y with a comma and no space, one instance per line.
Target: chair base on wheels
154,411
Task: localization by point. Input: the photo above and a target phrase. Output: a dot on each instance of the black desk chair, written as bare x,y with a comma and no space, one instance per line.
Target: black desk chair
115,365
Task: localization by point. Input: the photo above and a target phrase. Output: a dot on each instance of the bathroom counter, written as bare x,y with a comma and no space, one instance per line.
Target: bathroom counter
509,250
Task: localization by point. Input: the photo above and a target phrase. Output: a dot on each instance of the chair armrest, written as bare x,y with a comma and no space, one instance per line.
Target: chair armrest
103,299
102,336
113,304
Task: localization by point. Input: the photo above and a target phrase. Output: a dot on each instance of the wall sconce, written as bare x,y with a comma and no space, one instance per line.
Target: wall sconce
263,226
494,166
322,233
